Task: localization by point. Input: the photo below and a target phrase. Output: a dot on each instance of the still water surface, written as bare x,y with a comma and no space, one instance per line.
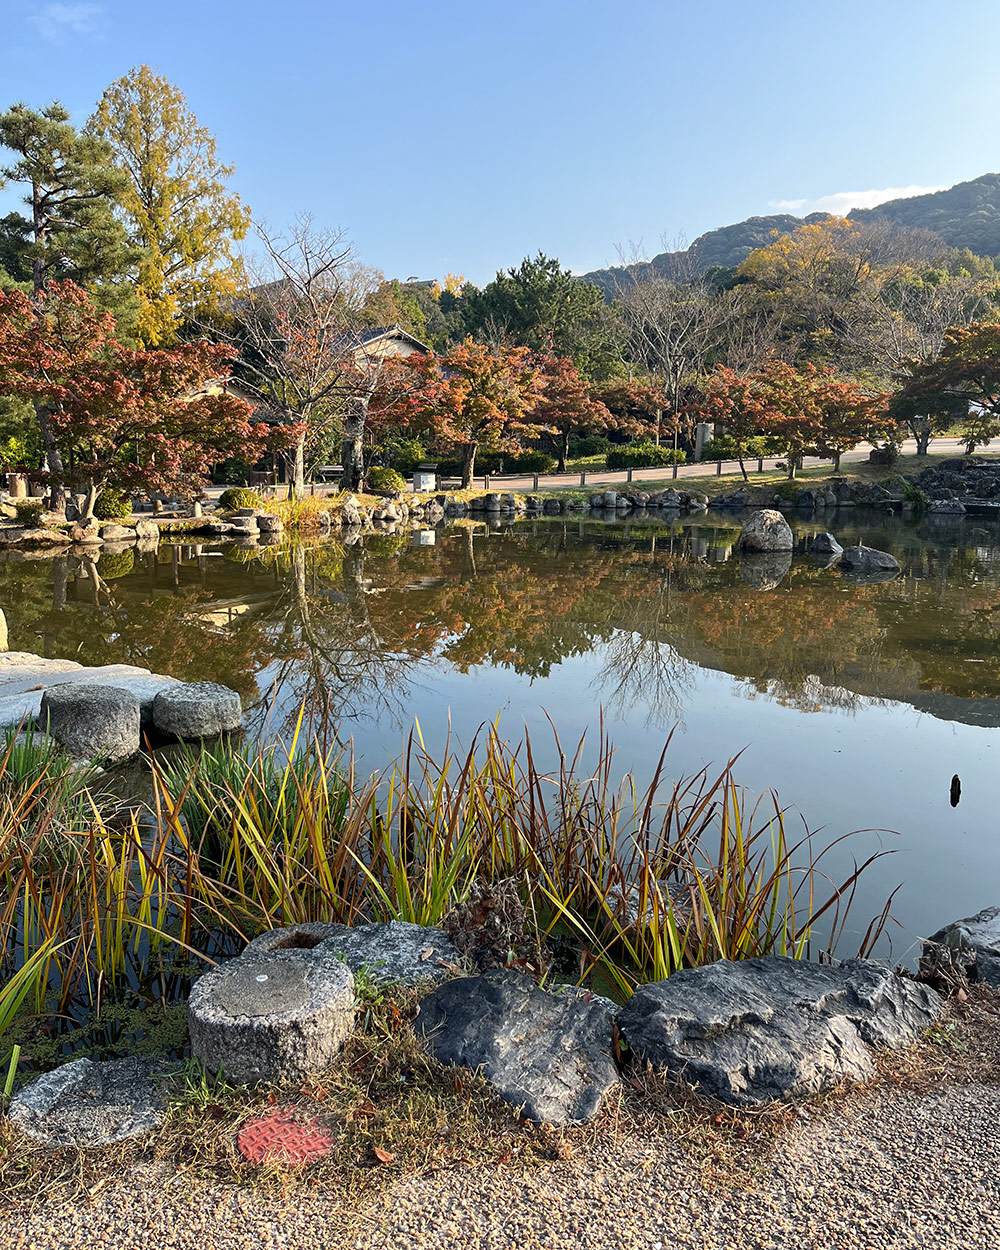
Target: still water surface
855,702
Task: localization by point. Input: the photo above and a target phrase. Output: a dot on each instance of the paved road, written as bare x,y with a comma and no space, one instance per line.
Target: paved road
688,472
685,472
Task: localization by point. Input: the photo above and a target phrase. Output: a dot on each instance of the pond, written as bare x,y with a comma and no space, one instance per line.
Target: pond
856,703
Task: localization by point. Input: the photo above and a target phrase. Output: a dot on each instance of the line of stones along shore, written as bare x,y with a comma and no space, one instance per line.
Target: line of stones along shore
746,1033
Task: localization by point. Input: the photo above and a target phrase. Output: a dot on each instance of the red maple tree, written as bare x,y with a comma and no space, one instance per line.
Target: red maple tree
132,420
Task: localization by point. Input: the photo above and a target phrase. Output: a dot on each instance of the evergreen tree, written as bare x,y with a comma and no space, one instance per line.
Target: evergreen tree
70,230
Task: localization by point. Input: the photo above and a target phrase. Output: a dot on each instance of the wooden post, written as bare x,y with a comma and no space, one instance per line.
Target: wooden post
674,473
535,487
583,479
760,465
630,475
718,468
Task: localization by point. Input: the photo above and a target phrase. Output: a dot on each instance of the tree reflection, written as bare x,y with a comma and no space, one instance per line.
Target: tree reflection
352,628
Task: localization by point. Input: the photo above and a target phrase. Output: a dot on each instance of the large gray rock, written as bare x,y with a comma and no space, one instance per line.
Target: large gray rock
25,677
825,545
99,723
549,1055
197,709
866,561
91,1104
758,1030
979,933
390,953
947,507
113,533
271,1017
765,530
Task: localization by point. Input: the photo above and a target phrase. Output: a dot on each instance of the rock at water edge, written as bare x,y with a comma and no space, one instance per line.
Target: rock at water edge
390,953
91,722
979,933
758,1030
271,1017
91,1104
548,1055
197,709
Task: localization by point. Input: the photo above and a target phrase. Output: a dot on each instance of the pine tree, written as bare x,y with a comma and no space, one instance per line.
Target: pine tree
70,231
174,200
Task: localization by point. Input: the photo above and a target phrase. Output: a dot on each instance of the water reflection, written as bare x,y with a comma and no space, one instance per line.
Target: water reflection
357,628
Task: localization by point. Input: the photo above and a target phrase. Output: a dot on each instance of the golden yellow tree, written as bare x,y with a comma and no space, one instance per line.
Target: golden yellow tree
175,201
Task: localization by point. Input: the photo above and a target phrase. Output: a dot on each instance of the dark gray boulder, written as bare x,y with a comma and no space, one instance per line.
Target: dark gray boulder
825,545
390,953
91,1104
759,1030
947,507
92,722
197,709
979,933
271,1017
863,561
549,1055
765,530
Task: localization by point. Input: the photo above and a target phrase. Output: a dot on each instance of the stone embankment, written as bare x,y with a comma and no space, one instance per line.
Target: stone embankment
104,714
747,1033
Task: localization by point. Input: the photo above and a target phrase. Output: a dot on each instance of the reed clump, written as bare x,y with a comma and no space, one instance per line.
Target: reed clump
634,879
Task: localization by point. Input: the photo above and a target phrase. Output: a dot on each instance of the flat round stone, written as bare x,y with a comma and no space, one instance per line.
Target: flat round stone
252,991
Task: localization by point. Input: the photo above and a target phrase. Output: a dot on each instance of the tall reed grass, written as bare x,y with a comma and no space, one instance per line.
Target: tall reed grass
642,878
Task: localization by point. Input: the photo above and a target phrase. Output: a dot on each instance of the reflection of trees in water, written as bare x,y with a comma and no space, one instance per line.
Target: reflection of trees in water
344,628
332,660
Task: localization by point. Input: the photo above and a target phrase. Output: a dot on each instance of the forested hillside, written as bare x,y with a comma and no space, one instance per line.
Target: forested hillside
966,215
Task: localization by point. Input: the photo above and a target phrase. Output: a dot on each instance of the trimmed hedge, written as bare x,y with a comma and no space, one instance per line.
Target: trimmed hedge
237,497
381,480
112,505
644,456
724,448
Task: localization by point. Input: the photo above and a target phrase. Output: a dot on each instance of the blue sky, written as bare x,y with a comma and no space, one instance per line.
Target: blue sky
460,137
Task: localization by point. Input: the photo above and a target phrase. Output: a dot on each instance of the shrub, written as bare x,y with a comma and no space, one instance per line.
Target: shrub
406,455
585,445
240,497
381,480
886,455
724,448
644,456
112,505
29,511
529,462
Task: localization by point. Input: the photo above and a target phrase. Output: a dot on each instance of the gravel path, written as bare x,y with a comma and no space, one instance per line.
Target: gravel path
887,1171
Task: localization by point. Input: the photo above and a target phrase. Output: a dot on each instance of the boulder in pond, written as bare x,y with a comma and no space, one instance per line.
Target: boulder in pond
765,530
92,722
825,545
759,1030
84,1103
197,709
549,1055
271,1017
867,561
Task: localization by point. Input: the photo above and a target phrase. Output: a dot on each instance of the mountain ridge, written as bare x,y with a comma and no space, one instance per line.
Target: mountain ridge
964,215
